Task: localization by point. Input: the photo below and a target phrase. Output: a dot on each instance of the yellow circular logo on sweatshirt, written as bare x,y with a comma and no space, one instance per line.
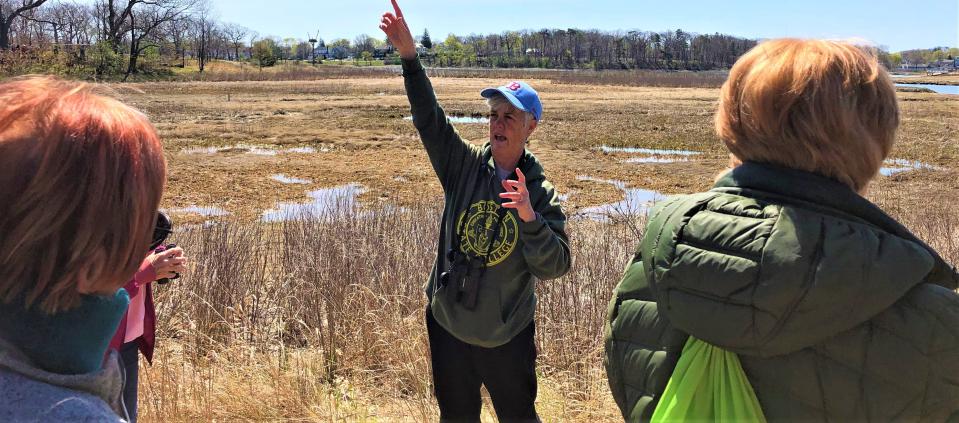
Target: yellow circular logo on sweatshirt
477,227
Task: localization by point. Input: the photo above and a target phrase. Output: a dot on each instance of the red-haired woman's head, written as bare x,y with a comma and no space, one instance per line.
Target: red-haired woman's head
81,176
821,106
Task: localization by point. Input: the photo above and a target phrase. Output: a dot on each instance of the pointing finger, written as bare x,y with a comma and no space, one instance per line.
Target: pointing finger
396,7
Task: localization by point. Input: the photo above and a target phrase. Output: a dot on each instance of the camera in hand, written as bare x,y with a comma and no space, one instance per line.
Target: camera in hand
164,281
162,230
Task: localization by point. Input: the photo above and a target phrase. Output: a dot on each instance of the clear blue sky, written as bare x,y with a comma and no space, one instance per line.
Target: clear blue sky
898,25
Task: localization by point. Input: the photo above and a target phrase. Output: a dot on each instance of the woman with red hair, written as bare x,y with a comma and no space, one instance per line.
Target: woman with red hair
81,177
831,309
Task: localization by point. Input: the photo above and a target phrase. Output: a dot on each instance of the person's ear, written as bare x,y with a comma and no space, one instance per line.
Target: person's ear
734,161
532,127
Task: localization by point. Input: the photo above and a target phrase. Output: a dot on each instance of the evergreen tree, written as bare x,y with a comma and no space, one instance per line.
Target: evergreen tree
426,41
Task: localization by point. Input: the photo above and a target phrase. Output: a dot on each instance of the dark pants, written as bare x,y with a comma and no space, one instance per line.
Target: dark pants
459,369
130,359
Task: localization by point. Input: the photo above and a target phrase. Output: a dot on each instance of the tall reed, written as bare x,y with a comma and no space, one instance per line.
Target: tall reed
323,318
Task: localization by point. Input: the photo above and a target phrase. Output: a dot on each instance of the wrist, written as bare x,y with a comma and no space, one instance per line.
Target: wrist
146,273
527,215
408,55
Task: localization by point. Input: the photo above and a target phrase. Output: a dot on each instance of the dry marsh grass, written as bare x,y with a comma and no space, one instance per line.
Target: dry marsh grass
324,319
220,71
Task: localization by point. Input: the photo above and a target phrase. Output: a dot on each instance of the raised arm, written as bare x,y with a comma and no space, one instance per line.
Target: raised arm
446,149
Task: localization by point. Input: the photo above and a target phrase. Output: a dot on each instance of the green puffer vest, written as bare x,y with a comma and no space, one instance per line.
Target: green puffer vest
837,312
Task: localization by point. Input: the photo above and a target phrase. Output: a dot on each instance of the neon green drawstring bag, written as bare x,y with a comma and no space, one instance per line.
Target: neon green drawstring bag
708,385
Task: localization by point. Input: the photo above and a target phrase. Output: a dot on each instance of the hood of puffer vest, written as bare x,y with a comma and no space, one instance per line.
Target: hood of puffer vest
773,260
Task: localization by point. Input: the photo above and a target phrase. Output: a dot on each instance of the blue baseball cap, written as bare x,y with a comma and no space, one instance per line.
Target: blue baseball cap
519,94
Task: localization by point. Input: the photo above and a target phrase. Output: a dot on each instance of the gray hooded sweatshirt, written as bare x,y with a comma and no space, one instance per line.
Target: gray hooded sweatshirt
30,394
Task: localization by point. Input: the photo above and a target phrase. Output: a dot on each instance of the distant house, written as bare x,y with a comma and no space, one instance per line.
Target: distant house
942,66
324,53
380,53
932,67
906,66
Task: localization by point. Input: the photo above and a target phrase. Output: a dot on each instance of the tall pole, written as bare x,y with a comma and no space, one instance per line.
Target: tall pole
313,47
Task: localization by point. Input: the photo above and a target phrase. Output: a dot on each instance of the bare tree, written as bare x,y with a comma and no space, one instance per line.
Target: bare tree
144,21
119,17
235,34
253,37
114,19
176,31
49,17
202,31
10,10
362,43
77,26
75,22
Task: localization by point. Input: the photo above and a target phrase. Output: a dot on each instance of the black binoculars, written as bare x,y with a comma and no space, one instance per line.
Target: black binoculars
162,230
462,279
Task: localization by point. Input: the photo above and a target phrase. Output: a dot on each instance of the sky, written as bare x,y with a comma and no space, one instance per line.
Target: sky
897,25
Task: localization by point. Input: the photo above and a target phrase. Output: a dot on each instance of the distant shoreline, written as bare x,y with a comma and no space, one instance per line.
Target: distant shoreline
947,79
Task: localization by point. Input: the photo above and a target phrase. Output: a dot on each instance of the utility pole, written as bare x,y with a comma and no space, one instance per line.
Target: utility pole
313,41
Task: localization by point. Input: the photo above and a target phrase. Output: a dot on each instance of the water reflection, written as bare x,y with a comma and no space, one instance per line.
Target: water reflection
202,211
461,119
289,179
895,166
251,149
304,150
938,89
650,151
636,201
656,159
327,203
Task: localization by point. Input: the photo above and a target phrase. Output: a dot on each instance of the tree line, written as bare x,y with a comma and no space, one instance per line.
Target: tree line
924,57
112,37
573,48
125,37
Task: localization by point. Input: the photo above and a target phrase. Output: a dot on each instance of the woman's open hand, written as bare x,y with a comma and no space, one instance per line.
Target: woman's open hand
518,196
